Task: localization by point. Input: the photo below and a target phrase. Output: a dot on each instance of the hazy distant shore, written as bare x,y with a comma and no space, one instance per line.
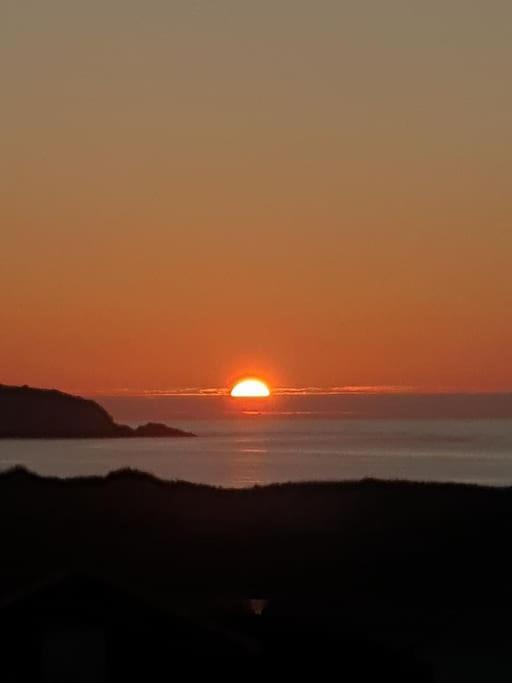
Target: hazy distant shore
364,406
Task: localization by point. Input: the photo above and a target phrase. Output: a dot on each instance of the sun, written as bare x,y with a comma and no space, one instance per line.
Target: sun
253,388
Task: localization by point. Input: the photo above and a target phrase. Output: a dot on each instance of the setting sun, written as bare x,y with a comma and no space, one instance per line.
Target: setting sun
254,388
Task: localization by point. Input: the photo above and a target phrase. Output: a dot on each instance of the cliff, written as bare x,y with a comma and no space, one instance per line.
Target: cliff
26,412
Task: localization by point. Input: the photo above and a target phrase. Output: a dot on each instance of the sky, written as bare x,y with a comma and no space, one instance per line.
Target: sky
313,191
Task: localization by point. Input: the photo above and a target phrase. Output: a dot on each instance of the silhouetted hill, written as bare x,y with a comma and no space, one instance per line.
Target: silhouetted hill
26,412
365,572
266,539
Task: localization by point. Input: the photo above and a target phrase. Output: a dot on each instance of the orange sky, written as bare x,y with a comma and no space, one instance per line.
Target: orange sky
316,192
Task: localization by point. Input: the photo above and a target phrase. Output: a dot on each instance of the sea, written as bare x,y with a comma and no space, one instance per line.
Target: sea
299,438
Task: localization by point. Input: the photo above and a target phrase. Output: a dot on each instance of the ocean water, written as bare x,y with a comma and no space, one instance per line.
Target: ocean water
261,450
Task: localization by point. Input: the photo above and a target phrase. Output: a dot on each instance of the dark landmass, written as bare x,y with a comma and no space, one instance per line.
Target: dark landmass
403,579
26,412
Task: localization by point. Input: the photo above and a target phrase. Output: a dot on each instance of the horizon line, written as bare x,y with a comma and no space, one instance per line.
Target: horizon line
346,390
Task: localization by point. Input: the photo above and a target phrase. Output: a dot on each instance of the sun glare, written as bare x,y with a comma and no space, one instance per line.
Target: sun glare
254,388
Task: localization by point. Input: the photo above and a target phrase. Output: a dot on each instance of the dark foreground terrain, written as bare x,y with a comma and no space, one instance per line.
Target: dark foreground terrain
128,573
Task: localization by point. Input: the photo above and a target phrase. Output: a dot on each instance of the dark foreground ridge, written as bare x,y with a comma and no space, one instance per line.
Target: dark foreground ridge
407,580
26,412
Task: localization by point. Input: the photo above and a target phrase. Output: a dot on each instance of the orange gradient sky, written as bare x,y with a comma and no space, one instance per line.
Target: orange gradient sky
317,193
